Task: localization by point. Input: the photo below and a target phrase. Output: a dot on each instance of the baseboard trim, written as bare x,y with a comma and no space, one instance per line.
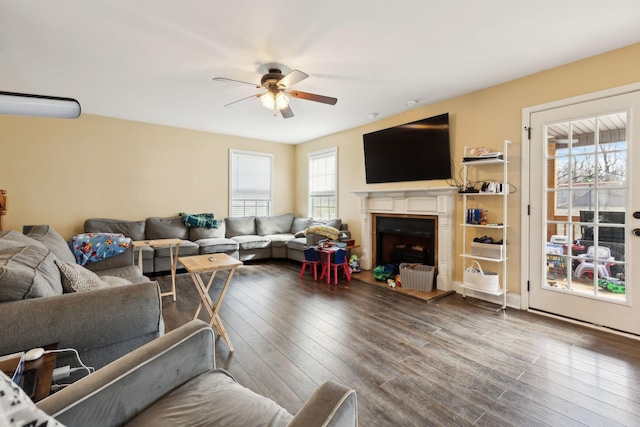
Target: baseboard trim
585,324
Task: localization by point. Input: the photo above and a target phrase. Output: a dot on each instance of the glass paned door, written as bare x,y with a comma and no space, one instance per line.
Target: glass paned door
581,211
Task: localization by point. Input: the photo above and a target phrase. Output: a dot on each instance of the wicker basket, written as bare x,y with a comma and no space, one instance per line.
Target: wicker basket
417,276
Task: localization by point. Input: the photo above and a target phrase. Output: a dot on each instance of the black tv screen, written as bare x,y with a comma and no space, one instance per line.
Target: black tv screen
413,151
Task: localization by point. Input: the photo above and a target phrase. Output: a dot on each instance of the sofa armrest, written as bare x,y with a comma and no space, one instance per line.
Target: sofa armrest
119,391
102,324
332,405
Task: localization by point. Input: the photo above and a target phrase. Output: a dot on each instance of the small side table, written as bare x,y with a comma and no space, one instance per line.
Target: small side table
213,263
174,259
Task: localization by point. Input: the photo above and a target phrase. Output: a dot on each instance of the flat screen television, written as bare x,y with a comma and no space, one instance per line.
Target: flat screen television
413,151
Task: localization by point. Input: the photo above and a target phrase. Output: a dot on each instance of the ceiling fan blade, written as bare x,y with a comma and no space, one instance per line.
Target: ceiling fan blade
241,101
313,97
296,76
286,112
225,80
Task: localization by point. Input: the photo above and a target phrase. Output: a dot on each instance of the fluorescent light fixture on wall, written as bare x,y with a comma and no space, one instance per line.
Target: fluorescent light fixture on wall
22,104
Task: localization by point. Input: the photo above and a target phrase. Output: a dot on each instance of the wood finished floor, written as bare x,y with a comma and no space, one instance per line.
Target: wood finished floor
412,363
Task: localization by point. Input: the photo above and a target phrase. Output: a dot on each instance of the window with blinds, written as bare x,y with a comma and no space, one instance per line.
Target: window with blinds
250,183
323,184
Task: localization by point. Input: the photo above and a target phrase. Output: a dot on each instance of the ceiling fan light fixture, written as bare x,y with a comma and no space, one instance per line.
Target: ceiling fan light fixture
274,100
282,101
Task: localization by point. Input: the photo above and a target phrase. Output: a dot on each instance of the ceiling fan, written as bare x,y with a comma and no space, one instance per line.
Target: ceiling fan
278,91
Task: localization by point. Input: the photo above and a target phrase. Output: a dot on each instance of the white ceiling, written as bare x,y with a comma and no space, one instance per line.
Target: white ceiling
153,60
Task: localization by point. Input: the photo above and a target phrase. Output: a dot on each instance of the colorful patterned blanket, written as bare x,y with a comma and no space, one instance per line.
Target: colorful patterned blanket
92,247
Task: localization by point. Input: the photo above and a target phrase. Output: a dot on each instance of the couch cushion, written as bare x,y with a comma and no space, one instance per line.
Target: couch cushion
216,245
133,229
267,225
49,237
166,228
279,240
299,243
27,271
129,272
300,224
240,226
252,242
211,399
186,248
197,233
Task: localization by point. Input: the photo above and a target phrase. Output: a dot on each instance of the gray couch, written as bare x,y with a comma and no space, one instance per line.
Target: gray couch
103,324
246,238
172,381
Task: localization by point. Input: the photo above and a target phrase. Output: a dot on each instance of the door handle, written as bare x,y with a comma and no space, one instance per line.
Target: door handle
636,232
636,214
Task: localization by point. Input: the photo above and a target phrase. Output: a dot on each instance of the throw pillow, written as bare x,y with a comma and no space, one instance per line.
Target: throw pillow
240,226
27,271
166,228
16,409
76,278
300,224
49,237
269,225
197,233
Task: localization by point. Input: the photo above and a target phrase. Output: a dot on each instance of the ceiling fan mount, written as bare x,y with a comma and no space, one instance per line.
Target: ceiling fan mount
278,87
271,78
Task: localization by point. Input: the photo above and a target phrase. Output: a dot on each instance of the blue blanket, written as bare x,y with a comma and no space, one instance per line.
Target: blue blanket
92,247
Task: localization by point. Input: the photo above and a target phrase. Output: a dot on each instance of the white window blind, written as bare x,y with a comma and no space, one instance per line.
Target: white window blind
323,182
250,183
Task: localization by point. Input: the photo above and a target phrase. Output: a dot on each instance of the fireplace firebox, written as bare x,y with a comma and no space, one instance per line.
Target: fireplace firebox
404,239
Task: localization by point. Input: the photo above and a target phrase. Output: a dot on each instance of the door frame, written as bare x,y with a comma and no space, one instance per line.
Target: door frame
525,219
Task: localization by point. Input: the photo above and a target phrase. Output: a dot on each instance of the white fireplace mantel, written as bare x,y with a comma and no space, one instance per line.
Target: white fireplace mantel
437,201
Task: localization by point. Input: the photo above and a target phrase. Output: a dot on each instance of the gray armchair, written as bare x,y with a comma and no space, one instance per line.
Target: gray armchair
173,381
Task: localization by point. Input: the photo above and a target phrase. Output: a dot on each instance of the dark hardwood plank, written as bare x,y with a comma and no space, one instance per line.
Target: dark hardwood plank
443,363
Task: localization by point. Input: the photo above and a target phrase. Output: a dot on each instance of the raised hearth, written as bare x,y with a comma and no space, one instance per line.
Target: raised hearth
436,204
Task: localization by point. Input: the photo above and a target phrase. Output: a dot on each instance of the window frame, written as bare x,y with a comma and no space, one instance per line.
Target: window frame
233,153
331,193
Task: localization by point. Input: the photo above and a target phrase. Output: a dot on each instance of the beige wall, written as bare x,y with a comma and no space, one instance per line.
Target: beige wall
483,118
61,172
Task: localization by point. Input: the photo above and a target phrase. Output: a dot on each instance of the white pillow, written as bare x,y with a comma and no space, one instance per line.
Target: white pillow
76,278
16,409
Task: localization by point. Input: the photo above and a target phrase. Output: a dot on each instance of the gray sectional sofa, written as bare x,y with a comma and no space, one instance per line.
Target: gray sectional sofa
122,312
246,238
